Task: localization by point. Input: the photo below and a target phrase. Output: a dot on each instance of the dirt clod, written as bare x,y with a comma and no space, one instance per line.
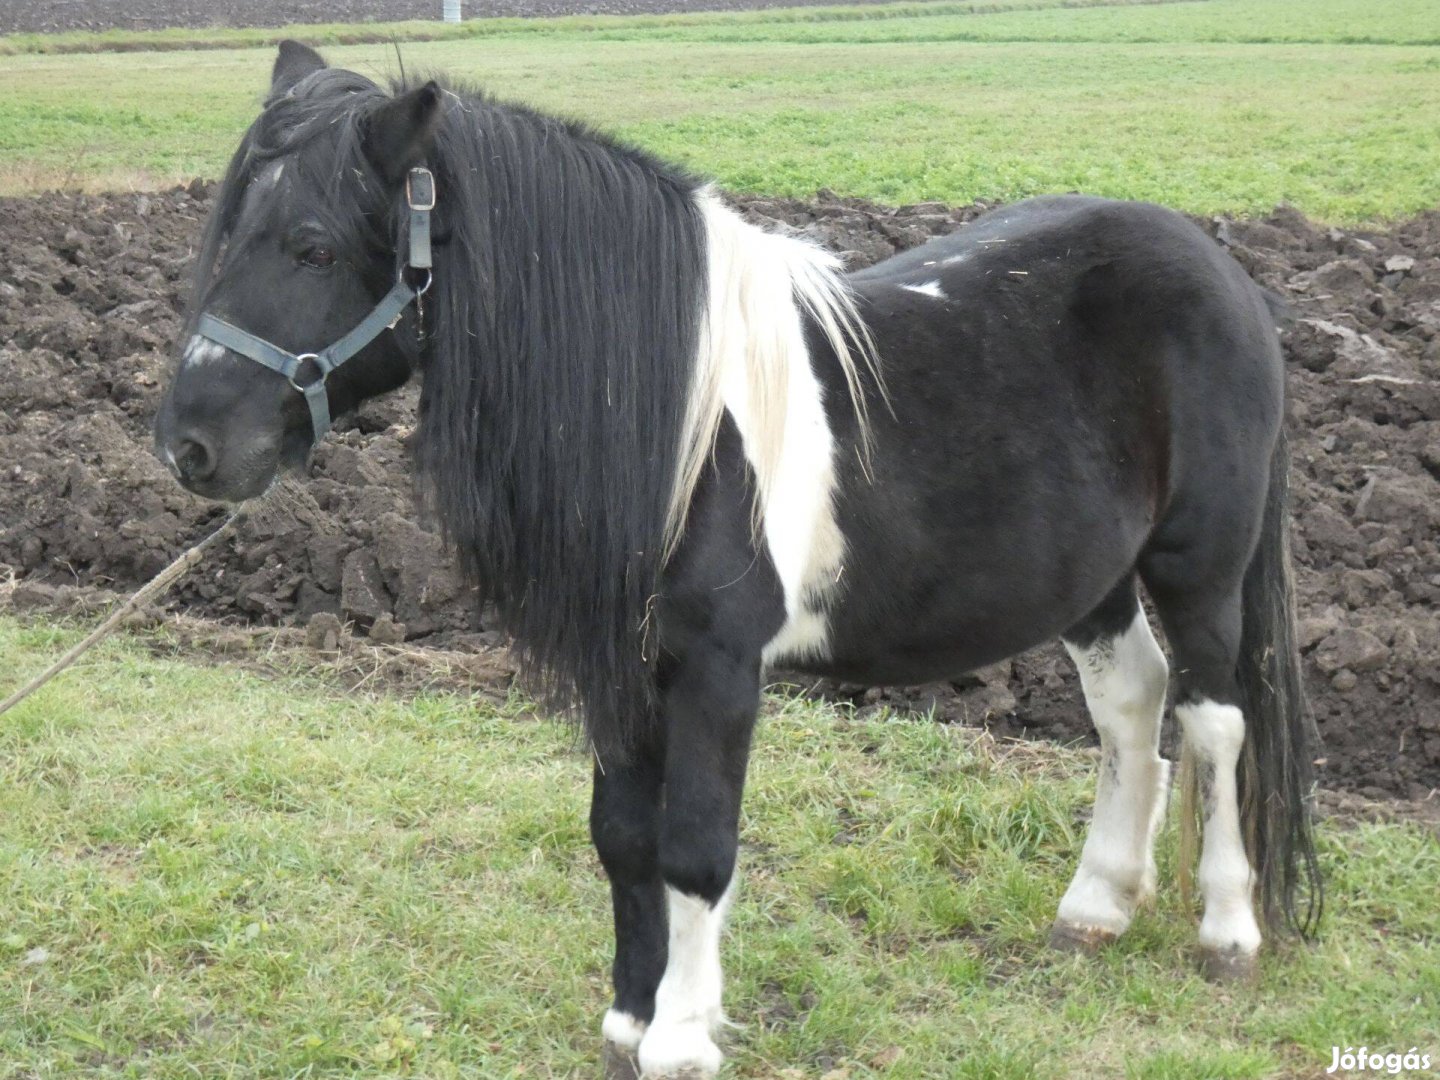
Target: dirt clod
322,632
386,631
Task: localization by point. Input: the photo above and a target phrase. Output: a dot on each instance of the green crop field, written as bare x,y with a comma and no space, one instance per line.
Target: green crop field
1215,106
208,870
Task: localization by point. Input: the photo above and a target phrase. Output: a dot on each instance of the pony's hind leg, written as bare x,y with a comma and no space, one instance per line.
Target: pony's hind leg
625,827
1229,932
1205,635
1123,673
1197,593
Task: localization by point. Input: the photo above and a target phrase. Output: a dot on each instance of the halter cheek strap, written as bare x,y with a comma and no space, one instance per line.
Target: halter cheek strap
420,197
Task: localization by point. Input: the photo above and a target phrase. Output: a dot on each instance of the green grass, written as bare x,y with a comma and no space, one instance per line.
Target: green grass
208,872
1328,22
1223,106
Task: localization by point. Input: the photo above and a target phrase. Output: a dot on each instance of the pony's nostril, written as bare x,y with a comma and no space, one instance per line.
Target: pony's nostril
192,458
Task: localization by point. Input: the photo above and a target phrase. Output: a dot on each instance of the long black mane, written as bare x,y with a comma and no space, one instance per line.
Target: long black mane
561,331
568,302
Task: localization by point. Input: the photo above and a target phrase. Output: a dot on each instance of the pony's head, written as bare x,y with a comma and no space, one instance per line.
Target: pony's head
561,344
307,235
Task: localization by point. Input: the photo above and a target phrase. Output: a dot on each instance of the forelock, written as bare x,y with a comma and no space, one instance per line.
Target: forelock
306,144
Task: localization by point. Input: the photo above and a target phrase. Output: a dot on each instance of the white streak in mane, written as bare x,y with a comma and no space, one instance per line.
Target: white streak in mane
753,363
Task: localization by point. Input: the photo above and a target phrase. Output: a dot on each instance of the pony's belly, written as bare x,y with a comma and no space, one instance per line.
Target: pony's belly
898,665
898,629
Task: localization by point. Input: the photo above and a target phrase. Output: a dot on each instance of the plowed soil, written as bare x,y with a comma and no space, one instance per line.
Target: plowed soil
90,293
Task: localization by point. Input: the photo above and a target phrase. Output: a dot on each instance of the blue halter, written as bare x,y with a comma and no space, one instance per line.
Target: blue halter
420,197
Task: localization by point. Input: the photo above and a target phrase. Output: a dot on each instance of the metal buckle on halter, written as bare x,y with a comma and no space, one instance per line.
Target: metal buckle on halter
300,359
426,186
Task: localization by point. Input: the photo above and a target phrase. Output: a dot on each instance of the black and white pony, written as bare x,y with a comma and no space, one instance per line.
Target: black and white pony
674,449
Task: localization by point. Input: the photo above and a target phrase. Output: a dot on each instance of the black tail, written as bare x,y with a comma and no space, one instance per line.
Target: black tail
1276,776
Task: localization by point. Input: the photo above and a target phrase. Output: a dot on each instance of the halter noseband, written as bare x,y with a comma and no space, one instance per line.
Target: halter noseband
420,197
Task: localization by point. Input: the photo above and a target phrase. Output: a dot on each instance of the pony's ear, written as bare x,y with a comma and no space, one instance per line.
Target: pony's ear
293,64
399,133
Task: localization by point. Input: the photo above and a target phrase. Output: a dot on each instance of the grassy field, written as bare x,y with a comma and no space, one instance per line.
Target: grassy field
1216,106
211,872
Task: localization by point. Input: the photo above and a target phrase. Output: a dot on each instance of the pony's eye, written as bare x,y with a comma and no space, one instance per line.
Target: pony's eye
321,258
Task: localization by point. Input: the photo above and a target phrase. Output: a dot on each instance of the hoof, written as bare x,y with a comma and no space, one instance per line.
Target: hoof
682,1051
1228,965
1087,940
619,1063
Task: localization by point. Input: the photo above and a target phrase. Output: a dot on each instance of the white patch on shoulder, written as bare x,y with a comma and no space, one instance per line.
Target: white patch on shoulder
755,365
798,517
806,634
622,1029
930,288
201,351
688,1001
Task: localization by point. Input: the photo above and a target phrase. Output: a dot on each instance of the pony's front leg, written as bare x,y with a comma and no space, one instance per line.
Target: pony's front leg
625,826
710,707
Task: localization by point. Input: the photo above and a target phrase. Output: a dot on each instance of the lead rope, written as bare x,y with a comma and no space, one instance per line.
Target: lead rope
157,585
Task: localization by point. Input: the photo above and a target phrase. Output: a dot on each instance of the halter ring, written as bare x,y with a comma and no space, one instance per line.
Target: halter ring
300,359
